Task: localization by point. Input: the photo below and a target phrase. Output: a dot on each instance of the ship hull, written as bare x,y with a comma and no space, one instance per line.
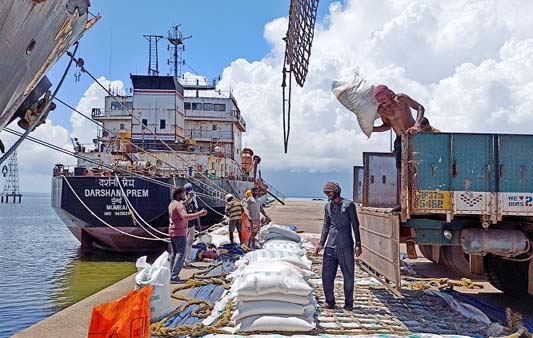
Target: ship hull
121,215
33,35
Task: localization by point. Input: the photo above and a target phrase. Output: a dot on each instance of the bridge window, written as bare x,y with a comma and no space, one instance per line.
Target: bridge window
116,105
219,107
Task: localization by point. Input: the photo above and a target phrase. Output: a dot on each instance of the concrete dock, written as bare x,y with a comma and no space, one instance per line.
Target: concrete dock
307,216
73,322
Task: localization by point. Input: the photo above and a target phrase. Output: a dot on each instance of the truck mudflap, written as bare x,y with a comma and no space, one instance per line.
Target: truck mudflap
380,238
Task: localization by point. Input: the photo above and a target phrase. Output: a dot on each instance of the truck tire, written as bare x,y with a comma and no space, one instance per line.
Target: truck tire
457,260
506,275
426,251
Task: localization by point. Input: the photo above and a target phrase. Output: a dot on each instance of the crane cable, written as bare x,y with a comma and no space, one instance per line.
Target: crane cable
141,150
76,155
81,63
107,224
133,212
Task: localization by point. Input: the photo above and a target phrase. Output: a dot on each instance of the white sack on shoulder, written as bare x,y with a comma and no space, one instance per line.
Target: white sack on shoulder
358,97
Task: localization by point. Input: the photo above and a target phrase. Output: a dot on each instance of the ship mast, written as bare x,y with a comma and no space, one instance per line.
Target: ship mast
153,56
175,37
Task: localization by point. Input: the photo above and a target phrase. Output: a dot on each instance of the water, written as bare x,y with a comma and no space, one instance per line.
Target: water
40,266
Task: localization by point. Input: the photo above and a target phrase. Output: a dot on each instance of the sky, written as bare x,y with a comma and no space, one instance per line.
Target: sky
469,63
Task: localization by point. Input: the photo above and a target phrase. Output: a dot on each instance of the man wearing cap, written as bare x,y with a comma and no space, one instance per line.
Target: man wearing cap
191,205
340,226
177,229
253,210
395,112
234,211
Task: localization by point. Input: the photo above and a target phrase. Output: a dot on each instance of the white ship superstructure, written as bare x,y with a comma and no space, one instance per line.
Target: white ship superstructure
191,128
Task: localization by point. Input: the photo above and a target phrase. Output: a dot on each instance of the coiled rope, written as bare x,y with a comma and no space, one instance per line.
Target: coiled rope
202,311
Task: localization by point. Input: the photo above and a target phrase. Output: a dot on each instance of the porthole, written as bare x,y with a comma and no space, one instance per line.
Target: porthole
30,47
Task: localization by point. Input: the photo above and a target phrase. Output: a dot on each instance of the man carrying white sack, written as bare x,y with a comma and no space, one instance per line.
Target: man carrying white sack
340,218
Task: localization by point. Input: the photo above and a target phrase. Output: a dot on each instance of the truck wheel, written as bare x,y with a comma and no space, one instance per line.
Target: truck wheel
426,251
506,275
457,260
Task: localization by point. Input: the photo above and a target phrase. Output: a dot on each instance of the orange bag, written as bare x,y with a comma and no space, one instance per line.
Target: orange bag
127,317
245,228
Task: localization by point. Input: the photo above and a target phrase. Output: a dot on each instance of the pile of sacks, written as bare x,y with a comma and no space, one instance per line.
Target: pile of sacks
219,235
270,289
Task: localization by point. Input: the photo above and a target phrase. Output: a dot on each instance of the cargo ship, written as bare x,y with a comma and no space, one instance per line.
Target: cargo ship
170,131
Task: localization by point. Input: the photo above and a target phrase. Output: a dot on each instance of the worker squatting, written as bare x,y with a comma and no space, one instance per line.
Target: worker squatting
115,192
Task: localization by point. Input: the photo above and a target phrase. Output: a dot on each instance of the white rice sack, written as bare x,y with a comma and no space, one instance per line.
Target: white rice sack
223,230
218,240
277,255
267,266
276,323
260,283
284,245
282,231
157,275
278,297
277,236
269,307
358,97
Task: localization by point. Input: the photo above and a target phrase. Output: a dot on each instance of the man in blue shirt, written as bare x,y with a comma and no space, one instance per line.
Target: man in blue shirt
340,219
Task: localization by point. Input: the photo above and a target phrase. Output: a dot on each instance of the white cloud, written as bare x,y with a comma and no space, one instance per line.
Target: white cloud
36,161
470,63
83,128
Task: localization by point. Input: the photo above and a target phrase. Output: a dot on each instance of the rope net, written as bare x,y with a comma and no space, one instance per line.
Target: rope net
302,17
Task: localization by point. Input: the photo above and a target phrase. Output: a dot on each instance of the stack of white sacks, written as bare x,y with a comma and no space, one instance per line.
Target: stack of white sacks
270,287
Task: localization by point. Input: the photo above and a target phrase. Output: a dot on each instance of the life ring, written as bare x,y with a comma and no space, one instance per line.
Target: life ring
4,170
107,174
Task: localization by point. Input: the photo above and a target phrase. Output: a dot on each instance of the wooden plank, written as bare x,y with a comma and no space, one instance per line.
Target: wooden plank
381,246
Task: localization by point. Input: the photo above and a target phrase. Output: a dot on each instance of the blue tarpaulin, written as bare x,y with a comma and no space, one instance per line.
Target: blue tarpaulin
494,312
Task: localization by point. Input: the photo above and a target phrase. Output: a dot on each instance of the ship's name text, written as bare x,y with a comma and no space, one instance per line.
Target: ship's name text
116,192
115,182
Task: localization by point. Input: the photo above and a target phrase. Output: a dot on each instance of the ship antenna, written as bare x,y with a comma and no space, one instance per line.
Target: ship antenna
153,58
175,37
110,52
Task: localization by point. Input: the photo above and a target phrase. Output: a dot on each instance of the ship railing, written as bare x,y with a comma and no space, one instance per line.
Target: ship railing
206,134
274,191
232,115
214,192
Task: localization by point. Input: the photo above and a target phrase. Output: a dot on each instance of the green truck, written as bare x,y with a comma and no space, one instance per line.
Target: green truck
465,199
